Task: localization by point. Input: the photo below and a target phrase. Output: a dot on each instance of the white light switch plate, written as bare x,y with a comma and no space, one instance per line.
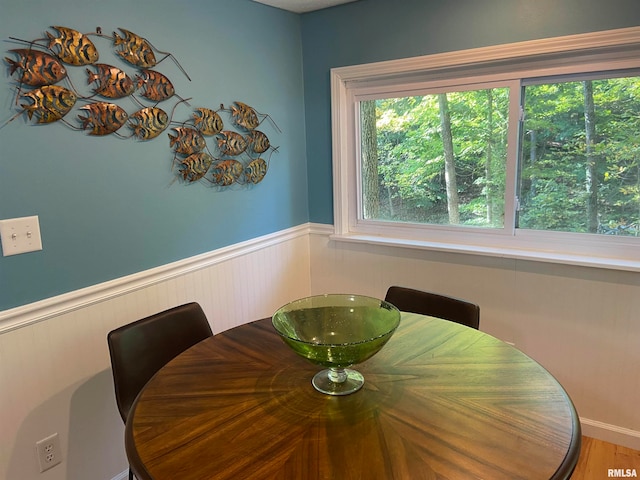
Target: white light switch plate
20,235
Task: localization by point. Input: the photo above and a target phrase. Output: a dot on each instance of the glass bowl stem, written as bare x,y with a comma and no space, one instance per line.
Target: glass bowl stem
337,375
338,381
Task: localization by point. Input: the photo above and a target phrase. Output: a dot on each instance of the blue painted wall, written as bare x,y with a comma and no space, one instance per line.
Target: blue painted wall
375,30
107,206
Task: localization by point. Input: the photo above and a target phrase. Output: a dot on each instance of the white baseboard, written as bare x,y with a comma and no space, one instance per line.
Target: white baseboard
610,433
122,476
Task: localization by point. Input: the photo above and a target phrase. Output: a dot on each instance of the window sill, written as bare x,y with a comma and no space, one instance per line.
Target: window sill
502,252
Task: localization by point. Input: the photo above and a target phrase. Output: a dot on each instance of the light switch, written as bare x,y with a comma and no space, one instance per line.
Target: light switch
20,235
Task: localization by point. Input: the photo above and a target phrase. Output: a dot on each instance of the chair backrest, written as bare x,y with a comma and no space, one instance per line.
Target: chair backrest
138,350
434,305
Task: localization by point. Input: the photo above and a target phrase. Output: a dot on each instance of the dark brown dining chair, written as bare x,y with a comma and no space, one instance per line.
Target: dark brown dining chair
139,349
434,305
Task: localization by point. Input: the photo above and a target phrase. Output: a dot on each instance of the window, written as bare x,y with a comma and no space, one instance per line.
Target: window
528,150
580,155
436,158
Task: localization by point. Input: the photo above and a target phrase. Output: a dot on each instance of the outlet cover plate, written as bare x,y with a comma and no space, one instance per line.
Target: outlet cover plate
20,235
48,451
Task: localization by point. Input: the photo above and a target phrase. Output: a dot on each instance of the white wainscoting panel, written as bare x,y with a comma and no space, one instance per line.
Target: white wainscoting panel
54,363
581,323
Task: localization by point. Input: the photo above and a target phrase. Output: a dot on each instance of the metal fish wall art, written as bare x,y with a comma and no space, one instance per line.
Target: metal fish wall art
247,117
226,172
231,143
187,140
42,71
155,86
111,81
36,68
139,52
72,47
195,166
148,122
255,171
207,121
103,118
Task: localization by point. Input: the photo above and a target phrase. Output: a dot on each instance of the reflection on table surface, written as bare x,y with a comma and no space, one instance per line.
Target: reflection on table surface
440,400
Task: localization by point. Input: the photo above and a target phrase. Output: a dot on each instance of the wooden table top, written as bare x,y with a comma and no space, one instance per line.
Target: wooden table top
440,401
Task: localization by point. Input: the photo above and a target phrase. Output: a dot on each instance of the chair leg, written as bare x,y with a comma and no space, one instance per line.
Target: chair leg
130,475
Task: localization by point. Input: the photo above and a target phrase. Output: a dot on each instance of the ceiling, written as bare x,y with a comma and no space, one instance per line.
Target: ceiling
302,6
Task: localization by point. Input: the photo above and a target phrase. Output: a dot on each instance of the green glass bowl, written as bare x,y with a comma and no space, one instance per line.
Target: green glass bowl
336,331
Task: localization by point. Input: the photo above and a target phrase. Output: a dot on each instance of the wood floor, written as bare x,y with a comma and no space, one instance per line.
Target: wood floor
597,457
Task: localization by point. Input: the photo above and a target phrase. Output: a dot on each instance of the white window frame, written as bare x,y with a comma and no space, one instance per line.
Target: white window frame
607,50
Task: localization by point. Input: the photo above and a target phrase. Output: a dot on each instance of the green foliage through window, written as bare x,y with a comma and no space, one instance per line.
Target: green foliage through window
441,158
580,157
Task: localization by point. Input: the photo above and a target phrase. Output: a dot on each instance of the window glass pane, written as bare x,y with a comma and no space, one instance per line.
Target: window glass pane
435,159
580,160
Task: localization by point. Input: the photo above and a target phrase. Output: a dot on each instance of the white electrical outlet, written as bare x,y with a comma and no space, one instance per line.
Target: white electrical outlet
48,450
20,235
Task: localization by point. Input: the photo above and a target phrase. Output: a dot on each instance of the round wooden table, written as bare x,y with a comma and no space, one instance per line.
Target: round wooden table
440,401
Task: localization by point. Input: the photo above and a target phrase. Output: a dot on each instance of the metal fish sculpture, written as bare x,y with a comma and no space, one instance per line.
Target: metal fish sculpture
72,47
155,86
104,118
148,122
244,116
138,51
187,141
134,49
207,121
247,117
255,171
258,142
111,81
226,172
37,68
50,103
195,166
231,143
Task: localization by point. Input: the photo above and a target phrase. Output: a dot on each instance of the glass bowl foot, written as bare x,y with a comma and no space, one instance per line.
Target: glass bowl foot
338,381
